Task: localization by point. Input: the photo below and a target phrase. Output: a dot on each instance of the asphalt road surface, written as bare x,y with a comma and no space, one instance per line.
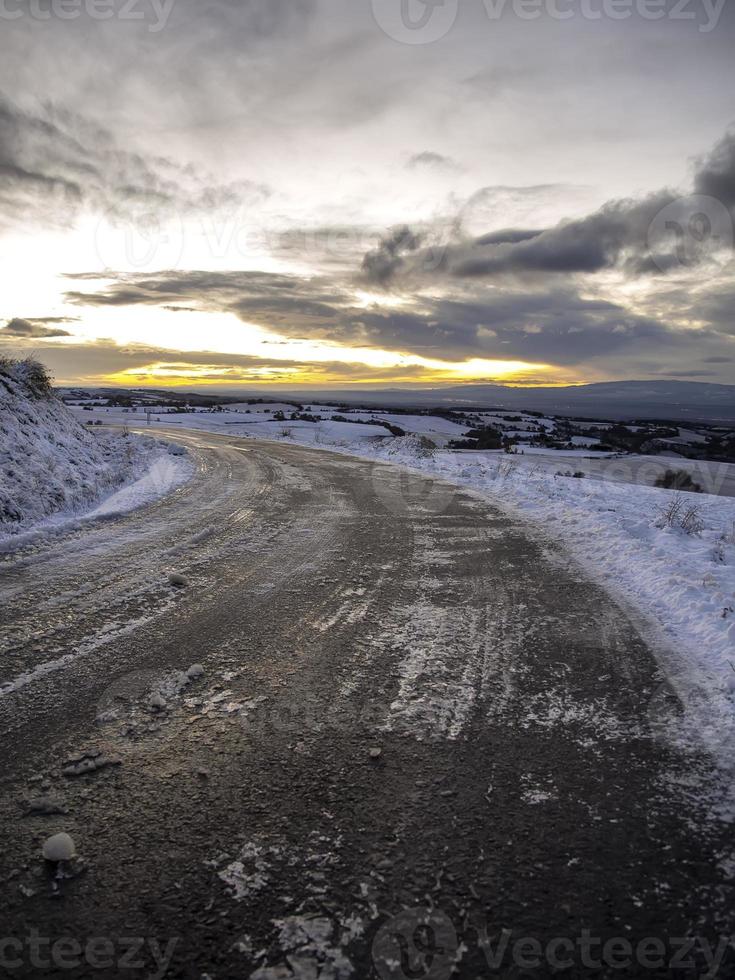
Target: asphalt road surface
424,744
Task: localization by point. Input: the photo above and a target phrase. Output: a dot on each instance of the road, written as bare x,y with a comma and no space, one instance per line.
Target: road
419,725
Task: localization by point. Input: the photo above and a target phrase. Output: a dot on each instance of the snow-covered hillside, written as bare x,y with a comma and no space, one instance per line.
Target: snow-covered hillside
50,464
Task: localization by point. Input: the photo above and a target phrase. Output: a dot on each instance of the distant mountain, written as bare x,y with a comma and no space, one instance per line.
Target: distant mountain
666,400
682,401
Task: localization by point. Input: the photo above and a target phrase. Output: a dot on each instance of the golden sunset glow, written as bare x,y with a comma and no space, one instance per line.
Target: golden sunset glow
401,369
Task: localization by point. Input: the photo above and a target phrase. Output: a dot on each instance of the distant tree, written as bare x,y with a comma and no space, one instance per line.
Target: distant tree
678,480
489,438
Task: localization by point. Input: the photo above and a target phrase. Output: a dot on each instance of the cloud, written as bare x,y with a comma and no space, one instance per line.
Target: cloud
430,161
101,363
715,175
54,163
382,263
276,300
650,235
550,324
18,327
690,373
615,235
508,236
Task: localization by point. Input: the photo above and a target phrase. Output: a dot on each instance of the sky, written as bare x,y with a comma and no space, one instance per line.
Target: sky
246,193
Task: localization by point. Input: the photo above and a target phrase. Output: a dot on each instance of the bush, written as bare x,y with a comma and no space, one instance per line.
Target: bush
426,447
678,480
485,438
676,514
30,373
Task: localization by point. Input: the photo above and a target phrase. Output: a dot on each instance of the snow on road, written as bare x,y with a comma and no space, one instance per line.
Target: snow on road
683,584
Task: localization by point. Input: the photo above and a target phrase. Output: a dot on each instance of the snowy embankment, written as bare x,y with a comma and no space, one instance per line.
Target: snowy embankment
53,469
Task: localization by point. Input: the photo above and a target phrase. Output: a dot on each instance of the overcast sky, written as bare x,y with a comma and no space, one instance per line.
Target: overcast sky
313,191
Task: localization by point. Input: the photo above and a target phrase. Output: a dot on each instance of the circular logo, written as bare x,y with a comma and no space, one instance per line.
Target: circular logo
139,241
415,21
689,231
415,945
410,494
120,700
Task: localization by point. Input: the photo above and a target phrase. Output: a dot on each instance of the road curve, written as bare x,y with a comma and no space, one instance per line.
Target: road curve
419,725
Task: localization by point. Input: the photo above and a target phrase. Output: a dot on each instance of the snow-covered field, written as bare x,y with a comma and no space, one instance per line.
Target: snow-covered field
259,420
52,469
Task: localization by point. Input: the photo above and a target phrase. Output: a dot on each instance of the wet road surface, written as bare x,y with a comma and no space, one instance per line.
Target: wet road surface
421,736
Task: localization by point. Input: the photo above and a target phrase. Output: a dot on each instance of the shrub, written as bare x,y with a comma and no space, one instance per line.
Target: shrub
426,447
30,373
485,438
676,514
678,480
507,468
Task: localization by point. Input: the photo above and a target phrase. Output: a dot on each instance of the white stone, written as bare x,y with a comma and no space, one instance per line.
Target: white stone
60,847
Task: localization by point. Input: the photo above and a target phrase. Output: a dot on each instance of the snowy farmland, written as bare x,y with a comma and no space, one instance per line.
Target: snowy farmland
270,420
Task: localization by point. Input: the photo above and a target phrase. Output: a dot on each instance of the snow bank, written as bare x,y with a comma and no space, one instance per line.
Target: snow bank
165,474
52,466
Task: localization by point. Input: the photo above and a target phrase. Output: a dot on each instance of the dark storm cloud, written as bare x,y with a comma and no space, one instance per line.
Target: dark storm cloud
54,162
508,236
382,263
538,325
269,298
547,327
18,327
636,236
715,176
710,303
616,235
